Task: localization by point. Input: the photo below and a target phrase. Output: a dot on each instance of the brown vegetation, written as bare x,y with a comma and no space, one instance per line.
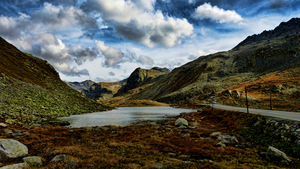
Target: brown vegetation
146,146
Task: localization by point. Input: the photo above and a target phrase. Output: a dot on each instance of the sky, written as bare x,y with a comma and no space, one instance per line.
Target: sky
106,40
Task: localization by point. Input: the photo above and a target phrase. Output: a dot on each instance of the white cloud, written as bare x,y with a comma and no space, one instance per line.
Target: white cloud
113,56
206,11
136,21
196,54
145,60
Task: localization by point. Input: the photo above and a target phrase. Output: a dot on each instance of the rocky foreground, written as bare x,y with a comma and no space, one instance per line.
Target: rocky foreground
205,139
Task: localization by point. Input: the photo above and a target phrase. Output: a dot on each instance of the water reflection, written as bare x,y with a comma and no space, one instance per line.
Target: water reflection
123,116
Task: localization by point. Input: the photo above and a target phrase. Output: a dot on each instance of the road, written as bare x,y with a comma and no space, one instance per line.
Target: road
271,113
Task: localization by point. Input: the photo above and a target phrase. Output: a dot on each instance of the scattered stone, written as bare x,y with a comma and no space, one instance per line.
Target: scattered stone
191,127
10,148
199,110
3,125
59,158
274,154
71,164
235,94
17,166
182,127
221,144
228,140
168,129
215,135
211,161
181,122
202,118
17,131
33,161
71,131
8,131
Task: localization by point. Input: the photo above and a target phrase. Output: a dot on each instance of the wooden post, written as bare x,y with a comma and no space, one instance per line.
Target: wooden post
246,99
270,97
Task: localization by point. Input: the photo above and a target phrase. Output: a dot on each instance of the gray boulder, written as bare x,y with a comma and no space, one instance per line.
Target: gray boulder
228,140
215,135
33,161
59,158
276,155
17,166
181,122
10,148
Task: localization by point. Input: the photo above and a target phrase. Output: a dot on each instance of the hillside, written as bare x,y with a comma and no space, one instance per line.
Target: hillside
31,91
81,85
252,59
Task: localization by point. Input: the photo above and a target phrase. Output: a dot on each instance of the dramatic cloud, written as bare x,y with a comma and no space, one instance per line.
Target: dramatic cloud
145,60
113,56
206,11
139,25
83,54
111,74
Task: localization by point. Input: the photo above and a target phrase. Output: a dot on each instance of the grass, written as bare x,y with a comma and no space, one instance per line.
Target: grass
144,145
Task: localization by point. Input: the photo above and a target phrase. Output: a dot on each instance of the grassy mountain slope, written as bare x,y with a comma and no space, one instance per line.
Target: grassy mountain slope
31,90
253,59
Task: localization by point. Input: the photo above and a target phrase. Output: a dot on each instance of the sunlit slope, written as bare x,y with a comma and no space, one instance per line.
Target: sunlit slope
31,90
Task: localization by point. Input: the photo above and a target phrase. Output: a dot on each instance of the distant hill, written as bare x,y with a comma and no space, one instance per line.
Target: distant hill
81,85
103,90
31,90
257,57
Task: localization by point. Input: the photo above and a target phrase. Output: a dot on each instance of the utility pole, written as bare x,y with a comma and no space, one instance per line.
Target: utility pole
246,99
270,97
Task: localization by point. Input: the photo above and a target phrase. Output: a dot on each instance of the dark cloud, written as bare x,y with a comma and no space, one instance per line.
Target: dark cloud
111,74
81,55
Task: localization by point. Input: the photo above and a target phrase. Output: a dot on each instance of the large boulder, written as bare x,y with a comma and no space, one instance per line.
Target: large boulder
275,155
235,94
17,166
33,161
228,140
181,122
227,93
10,148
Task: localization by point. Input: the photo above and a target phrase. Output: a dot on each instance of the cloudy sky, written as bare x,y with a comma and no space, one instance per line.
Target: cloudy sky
105,40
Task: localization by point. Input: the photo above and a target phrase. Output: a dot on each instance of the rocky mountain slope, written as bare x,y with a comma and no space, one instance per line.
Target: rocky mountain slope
31,91
249,60
103,90
81,85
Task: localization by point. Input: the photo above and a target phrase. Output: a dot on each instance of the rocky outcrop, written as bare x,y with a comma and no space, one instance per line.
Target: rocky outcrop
285,28
10,148
277,156
81,85
138,77
163,70
33,161
17,166
96,91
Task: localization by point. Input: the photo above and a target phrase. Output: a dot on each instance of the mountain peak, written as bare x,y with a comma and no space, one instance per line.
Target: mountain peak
284,28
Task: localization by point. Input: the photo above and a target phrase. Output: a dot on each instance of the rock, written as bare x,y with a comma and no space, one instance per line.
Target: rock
199,110
276,155
8,131
184,156
277,88
215,135
182,127
59,158
221,144
235,94
226,93
3,125
181,122
17,166
228,140
10,148
33,161
71,164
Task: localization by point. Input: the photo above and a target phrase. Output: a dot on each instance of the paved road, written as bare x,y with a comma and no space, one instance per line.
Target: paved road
272,113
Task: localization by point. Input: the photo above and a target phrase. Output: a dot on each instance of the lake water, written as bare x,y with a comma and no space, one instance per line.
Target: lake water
123,116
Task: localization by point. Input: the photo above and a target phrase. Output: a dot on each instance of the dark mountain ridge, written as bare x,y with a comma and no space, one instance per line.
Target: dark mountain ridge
285,28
